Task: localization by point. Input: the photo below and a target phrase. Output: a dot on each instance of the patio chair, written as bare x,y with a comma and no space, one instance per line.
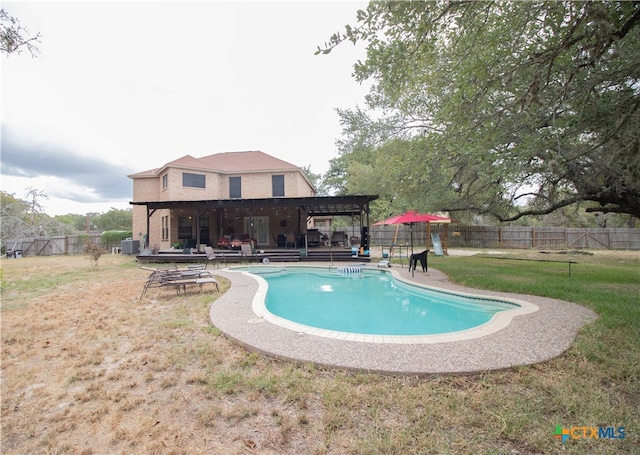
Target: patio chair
248,253
292,240
338,238
213,257
313,237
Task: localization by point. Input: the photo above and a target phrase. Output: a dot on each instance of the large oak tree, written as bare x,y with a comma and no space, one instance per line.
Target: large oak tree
499,108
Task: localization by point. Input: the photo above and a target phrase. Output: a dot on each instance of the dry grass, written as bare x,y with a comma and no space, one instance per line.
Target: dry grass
87,368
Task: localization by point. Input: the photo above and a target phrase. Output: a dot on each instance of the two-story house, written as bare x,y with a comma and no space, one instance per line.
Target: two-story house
231,196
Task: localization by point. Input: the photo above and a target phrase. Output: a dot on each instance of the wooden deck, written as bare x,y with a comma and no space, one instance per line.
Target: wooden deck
273,255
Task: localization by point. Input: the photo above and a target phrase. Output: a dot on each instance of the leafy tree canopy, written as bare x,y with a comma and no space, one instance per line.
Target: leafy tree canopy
25,218
503,109
316,181
114,220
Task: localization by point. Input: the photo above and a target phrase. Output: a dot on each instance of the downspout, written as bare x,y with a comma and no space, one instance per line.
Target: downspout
197,229
148,228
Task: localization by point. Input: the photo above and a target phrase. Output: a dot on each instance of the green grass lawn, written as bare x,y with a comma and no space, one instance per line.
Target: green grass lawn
597,381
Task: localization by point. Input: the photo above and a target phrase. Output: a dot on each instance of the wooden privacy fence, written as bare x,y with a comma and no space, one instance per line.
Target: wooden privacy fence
461,236
451,235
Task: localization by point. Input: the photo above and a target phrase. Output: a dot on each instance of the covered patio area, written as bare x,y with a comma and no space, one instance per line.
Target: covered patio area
270,225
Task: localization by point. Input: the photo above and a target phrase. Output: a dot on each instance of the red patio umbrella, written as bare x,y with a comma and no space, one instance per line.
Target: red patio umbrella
411,217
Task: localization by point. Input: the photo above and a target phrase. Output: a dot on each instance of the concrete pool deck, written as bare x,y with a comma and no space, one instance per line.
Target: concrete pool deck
528,338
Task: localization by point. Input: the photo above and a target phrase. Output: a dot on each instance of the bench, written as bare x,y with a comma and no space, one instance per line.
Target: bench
537,260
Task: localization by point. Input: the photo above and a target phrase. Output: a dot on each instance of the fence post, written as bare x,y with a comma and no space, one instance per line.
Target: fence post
533,237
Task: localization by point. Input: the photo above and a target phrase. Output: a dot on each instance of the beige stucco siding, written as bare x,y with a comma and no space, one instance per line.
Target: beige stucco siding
146,189
255,184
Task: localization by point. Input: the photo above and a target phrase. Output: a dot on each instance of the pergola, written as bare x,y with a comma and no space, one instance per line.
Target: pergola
357,206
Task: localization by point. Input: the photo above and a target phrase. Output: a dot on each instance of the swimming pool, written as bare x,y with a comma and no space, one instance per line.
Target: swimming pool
367,302
541,329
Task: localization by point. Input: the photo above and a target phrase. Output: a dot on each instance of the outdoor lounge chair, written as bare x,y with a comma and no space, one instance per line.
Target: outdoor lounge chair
157,279
178,278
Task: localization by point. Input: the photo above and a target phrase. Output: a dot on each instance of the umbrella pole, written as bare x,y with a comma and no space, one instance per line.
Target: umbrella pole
395,239
331,252
411,235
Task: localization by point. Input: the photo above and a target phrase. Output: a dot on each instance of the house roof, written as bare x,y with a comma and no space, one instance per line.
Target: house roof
226,162
246,161
312,206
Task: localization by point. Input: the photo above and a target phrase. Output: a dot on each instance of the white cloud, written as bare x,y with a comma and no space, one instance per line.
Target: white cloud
138,84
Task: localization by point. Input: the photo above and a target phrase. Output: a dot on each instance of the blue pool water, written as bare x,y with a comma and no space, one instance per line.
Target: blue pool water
370,302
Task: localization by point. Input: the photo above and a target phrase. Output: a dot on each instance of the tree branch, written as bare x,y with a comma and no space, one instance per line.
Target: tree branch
13,36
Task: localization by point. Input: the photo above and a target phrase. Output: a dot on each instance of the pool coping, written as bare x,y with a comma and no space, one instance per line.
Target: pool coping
544,330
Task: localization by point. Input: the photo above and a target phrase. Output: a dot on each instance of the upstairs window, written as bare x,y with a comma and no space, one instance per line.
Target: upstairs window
235,187
277,185
165,181
193,180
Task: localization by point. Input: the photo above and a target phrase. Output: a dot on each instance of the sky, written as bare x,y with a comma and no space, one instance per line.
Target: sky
121,87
